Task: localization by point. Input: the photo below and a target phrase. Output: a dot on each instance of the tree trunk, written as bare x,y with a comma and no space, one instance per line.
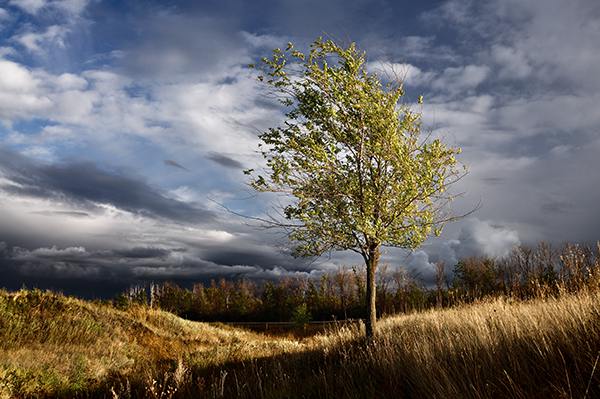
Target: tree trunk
372,262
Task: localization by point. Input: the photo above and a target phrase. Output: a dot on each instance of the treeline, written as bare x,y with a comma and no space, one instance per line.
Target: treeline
525,273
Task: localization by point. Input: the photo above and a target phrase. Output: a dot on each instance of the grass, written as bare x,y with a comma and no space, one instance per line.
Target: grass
55,346
51,345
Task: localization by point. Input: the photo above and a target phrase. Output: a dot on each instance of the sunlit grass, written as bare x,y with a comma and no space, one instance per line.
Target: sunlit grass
53,345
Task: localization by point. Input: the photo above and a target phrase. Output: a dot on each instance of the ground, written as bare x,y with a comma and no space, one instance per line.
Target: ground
57,346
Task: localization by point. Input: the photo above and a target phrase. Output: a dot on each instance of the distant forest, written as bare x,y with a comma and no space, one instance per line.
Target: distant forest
525,273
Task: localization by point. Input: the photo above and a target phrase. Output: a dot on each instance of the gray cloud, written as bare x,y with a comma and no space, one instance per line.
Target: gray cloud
167,49
475,238
484,238
71,249
224,160
493,180
85,183
102,273
170,162
143,252
557,207
263,256
75,214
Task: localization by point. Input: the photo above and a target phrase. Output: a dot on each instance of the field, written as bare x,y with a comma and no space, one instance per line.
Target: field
56,346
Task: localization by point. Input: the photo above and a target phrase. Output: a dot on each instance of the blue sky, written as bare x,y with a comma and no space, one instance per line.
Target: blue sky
123,125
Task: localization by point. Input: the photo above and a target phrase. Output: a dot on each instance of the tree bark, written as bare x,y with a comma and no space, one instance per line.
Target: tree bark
372,262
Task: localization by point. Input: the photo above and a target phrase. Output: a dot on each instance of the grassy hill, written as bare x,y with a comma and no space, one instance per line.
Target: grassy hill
56,346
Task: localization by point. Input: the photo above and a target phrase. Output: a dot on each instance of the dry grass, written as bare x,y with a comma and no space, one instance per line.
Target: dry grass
57,346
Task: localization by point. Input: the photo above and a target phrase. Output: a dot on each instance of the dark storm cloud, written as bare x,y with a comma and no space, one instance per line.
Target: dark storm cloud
73,275
85,183
142,253
224,160
243,256
104,273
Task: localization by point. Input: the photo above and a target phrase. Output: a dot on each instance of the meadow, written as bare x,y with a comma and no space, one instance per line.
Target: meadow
57,346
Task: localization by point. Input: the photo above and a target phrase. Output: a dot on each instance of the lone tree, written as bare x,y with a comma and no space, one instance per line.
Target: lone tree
350,158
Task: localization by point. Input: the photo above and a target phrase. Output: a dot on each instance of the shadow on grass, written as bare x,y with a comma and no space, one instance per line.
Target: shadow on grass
374,370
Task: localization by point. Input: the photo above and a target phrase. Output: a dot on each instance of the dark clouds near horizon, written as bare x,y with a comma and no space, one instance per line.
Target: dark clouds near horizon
161,252
124,125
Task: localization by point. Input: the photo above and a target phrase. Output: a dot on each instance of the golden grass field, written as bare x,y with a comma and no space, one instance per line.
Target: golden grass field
56,346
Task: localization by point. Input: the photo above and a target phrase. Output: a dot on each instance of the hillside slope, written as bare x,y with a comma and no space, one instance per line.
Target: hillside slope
54,346
57,345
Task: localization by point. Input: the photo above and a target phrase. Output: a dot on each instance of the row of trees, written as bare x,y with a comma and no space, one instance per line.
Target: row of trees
529,272
525,273
334,296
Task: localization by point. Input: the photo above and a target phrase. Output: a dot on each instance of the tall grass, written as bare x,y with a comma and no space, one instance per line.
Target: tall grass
499,348
547,347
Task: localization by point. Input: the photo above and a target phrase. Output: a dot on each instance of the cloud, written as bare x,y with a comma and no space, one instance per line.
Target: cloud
458,79
73,7
406,73
553,207
457,11
3,14
75,214
19,96
143,252
479,237
225,161
14,77
421,267
7,51
30,6
512,62
555,25
86,184
417,46
170,162
77,268
268,42
33,93
165,50
122,236
475,238
453,79
102,108
219,118
38,42
50,253
264,257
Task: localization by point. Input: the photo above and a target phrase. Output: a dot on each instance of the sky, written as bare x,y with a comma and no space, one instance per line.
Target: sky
125,127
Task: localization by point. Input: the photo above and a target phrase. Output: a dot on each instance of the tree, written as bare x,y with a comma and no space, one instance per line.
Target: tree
477,276
350,159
